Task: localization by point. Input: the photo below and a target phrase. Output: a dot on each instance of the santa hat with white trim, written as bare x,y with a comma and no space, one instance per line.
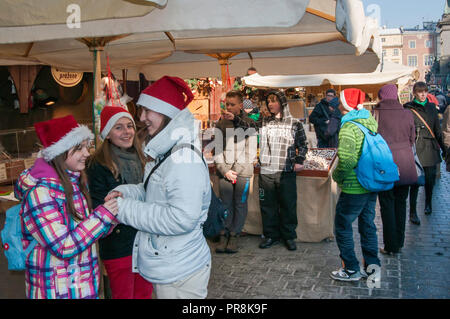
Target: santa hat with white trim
169,95
60,135
352,99
109,116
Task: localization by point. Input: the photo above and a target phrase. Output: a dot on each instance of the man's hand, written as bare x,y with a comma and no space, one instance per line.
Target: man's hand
231,176
227,115
298,167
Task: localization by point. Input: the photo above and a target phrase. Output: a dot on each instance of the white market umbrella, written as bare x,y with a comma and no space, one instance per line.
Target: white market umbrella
313,31
288,35
389,72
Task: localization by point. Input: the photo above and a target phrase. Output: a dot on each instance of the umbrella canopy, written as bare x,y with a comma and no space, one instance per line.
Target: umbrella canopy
25,13
389,72
286,36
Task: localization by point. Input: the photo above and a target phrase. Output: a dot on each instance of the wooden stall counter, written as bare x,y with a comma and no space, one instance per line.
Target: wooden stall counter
317,196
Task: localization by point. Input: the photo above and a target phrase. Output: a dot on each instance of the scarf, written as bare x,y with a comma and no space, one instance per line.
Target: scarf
130,168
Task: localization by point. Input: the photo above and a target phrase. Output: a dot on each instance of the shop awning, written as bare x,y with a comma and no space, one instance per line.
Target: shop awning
388,72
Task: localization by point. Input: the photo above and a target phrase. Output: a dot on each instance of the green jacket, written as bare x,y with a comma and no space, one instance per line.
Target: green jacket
351,140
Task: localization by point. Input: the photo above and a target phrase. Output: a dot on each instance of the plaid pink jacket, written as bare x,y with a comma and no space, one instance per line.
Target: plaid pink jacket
64,264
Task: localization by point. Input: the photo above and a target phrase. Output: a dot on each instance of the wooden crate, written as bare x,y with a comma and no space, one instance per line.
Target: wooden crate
13,168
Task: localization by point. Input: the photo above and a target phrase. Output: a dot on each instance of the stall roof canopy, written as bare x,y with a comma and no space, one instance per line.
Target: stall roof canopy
389,72
26,13
287,36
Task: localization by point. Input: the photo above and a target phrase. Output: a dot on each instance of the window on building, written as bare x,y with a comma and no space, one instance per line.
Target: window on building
395,52
384,52
412,44
383,39
428,60
428,43
412,60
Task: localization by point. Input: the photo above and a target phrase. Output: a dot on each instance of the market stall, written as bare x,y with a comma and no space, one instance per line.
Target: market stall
317,195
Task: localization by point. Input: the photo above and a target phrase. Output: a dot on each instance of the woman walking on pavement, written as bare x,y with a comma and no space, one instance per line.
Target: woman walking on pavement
428,144
56,213
396,125
119,160
170,207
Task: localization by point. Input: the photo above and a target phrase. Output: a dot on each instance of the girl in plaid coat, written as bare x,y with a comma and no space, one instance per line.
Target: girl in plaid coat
56,213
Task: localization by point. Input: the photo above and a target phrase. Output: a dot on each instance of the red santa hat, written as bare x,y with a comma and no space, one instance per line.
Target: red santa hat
352,99
169,95
109,116
60,135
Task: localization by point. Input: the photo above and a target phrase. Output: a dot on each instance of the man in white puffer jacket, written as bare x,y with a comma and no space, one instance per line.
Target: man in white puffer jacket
169,250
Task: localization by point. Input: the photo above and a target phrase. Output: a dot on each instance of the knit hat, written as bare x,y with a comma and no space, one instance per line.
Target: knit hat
388,92
109,116
60,135
248,104
352,99
169,95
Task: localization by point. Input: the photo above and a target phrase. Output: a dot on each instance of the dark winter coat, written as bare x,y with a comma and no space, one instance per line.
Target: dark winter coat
428,148
120,242
396,126
333,128
321,117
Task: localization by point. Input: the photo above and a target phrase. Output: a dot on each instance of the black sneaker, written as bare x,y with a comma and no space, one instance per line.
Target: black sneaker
269,242
413,218
291,245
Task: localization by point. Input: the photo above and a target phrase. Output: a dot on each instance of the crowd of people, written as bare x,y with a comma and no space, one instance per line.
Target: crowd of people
145,201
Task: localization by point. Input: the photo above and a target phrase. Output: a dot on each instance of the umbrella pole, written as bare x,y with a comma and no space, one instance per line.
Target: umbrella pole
223,61
96,90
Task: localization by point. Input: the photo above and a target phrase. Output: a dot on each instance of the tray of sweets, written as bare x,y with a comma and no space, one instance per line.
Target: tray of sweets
318,162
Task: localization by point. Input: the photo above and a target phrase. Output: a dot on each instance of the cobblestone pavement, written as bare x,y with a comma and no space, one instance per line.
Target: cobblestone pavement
418,272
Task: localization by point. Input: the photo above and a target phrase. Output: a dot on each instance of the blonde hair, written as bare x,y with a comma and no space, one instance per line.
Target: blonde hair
103,155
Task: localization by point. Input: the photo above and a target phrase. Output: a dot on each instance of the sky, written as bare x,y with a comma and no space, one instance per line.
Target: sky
406,13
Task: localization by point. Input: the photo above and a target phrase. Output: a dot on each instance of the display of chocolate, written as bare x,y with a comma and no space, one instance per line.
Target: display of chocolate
318,162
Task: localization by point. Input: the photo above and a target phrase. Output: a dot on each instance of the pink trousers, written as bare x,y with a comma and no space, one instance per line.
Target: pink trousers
124,283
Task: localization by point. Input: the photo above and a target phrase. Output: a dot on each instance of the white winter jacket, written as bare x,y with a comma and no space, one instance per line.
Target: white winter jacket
169,245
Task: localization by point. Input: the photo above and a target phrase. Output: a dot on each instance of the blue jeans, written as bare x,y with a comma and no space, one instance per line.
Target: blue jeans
348,208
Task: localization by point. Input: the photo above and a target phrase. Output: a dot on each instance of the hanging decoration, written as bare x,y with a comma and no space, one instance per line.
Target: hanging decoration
111,94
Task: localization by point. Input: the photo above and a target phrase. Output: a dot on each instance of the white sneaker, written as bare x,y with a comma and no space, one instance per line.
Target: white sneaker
345,275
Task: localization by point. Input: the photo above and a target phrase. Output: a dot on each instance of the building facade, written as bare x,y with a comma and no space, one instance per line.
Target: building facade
443,74
420,49
392,45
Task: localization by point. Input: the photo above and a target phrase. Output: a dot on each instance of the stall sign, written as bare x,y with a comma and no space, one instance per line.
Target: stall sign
66,78
29,162
3,176
405,96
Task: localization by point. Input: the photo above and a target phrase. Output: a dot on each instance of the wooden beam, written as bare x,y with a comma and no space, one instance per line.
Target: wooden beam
321,14
27,52
171,38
